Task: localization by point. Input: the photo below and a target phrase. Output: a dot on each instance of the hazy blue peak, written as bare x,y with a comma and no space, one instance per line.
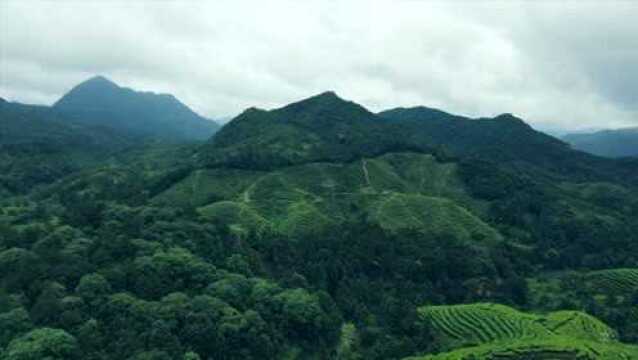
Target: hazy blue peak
140,113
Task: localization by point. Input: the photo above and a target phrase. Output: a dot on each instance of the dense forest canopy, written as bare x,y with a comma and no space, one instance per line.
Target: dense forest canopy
319,230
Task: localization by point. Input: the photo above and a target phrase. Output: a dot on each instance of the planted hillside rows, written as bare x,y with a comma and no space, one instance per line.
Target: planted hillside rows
615,281
491,331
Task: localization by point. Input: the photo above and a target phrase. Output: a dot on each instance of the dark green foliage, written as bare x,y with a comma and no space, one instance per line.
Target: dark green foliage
43,343
13,323
39,146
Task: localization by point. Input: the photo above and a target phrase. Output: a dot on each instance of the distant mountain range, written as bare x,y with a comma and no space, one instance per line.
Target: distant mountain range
609,143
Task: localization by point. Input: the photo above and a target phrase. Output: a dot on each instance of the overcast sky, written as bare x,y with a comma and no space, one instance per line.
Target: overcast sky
559,65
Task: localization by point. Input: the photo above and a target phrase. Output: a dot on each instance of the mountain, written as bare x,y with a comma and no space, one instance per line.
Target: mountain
320,230
327,128
485,136
100,101
609,143
321,128
504,138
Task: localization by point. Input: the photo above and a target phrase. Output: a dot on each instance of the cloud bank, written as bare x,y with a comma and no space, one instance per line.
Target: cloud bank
559,65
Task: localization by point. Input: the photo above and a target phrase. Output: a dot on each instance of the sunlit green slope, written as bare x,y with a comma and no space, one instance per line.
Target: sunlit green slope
492,331
397,191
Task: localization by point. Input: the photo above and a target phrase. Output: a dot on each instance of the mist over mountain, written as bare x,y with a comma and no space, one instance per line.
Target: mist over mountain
609,143
100,101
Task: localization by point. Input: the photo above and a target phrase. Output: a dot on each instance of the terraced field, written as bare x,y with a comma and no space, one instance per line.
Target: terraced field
492,331
434,215
472,324
539,349
402,191
613,281
577,324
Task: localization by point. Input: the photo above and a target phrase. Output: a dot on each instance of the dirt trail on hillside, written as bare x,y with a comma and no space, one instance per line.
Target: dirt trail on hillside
365,171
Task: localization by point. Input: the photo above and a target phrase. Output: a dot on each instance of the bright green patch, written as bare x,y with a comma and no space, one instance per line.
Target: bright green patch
439,216
492,331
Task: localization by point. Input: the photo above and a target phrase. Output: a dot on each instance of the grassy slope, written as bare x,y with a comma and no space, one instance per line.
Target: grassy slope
555,348
597,285
398,191
491,331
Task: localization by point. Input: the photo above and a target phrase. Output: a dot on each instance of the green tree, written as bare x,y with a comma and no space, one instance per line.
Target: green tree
43,343
12,324
167,271
48,306
18,268
93,288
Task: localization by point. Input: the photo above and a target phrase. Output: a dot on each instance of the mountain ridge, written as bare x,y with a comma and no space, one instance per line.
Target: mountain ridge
609,143
320,127
326,127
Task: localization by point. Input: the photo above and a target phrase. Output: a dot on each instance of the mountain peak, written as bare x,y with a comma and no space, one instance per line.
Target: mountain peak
509,118
506,116
328,94
326,97
98,81
100,100
416,113
325,105
99,78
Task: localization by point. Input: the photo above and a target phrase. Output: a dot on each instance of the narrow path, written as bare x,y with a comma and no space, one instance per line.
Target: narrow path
365,171
195,182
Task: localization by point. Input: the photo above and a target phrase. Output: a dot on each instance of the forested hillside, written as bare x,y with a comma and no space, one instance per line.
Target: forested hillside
39,146
319,230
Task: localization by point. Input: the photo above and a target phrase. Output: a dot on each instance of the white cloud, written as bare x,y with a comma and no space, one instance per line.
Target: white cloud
556,64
